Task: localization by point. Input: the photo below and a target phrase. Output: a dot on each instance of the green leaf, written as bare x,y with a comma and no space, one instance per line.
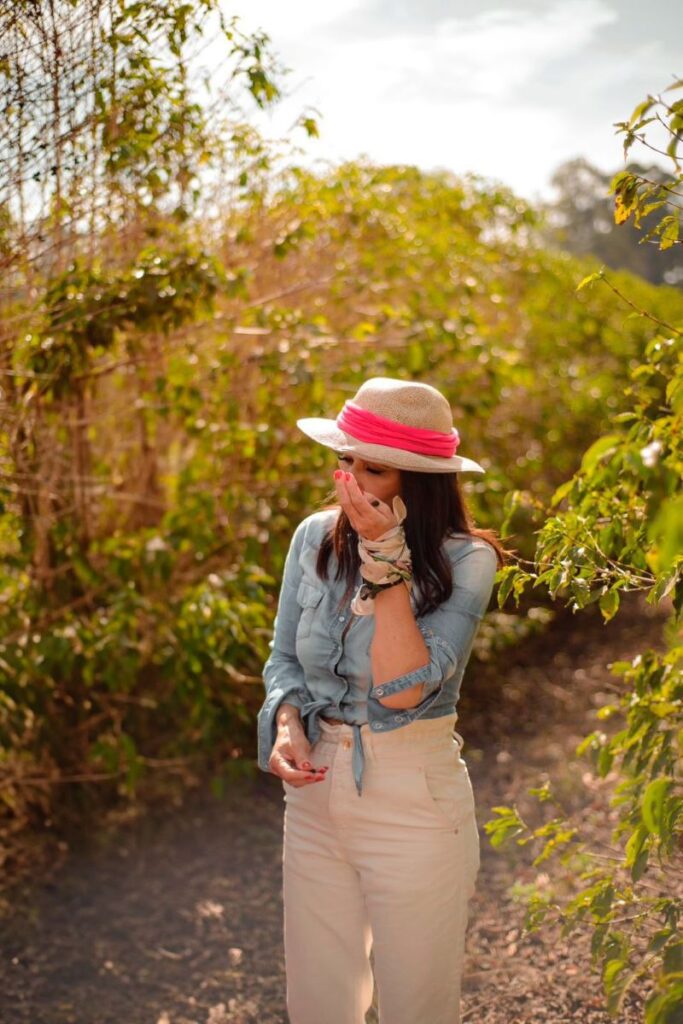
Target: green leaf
665,533
508,574
599,449
641,109
673,959
670,233
561,492
609,604
635,846
589,279
665,1007
503,828
652,807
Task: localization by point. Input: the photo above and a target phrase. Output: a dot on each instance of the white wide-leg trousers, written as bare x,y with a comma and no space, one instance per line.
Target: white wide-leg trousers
391,871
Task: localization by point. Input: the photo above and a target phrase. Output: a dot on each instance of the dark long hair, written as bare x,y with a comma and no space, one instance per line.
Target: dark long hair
436,507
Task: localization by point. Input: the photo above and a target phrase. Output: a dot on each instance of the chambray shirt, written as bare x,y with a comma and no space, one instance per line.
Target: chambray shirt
320,654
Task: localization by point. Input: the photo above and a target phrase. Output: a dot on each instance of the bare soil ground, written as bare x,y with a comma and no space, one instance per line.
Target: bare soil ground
176,918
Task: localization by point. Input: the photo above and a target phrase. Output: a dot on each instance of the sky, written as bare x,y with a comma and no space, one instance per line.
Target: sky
507,90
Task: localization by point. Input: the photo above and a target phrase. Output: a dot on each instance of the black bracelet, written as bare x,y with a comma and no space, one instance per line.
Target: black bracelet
371,590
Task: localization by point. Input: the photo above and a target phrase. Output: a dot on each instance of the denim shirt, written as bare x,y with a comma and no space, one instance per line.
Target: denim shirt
320,654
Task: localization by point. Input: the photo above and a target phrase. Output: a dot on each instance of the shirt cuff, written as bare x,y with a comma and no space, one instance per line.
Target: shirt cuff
295,697
442,664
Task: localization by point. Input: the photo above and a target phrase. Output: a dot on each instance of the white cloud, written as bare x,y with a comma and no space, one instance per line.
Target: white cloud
508,93
486,55
496,51
290,20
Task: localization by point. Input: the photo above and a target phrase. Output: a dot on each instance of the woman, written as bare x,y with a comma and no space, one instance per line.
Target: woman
381,847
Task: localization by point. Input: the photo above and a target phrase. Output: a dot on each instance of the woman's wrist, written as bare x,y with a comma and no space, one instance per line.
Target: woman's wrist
385,563
288,715
372,590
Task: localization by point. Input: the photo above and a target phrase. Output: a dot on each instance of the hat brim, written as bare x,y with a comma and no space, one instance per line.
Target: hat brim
326,432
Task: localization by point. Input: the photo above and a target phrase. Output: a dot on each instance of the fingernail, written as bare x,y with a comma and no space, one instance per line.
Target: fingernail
347,476
306,764
337,474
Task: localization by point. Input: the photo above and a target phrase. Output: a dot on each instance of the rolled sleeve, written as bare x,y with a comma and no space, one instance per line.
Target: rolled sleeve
442,664
283,675
449,630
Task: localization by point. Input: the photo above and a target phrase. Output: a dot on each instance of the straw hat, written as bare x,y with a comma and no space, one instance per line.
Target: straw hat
398,423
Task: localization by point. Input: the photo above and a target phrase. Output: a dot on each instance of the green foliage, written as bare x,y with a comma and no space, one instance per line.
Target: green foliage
168,399
106,688
622,524
84,308
111,552
615,526
153,468
580,219
636,195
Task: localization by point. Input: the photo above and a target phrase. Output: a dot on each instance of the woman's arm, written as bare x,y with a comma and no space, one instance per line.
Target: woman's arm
397,646
283,675
288,714
405,671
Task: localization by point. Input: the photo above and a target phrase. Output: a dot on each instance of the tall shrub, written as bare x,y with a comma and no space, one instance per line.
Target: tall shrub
615,526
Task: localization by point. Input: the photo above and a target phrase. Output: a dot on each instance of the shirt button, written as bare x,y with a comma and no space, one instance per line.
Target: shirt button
346,744
379,692
341,618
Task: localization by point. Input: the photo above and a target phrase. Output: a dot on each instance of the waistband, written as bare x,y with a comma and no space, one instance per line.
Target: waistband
423,733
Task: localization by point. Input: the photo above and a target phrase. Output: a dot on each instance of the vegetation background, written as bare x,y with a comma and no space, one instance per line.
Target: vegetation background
175,288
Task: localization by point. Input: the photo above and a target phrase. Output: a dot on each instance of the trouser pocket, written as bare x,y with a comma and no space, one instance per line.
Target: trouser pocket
447,790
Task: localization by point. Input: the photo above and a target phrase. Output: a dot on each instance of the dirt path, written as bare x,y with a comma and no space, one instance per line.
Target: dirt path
177,919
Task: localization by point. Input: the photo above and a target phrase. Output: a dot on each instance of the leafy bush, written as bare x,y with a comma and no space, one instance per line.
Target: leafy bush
621,529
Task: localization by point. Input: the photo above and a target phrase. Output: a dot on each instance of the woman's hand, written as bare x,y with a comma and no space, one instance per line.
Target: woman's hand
290,754
369,516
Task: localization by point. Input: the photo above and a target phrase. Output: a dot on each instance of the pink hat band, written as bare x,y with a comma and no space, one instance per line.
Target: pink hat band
367,426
